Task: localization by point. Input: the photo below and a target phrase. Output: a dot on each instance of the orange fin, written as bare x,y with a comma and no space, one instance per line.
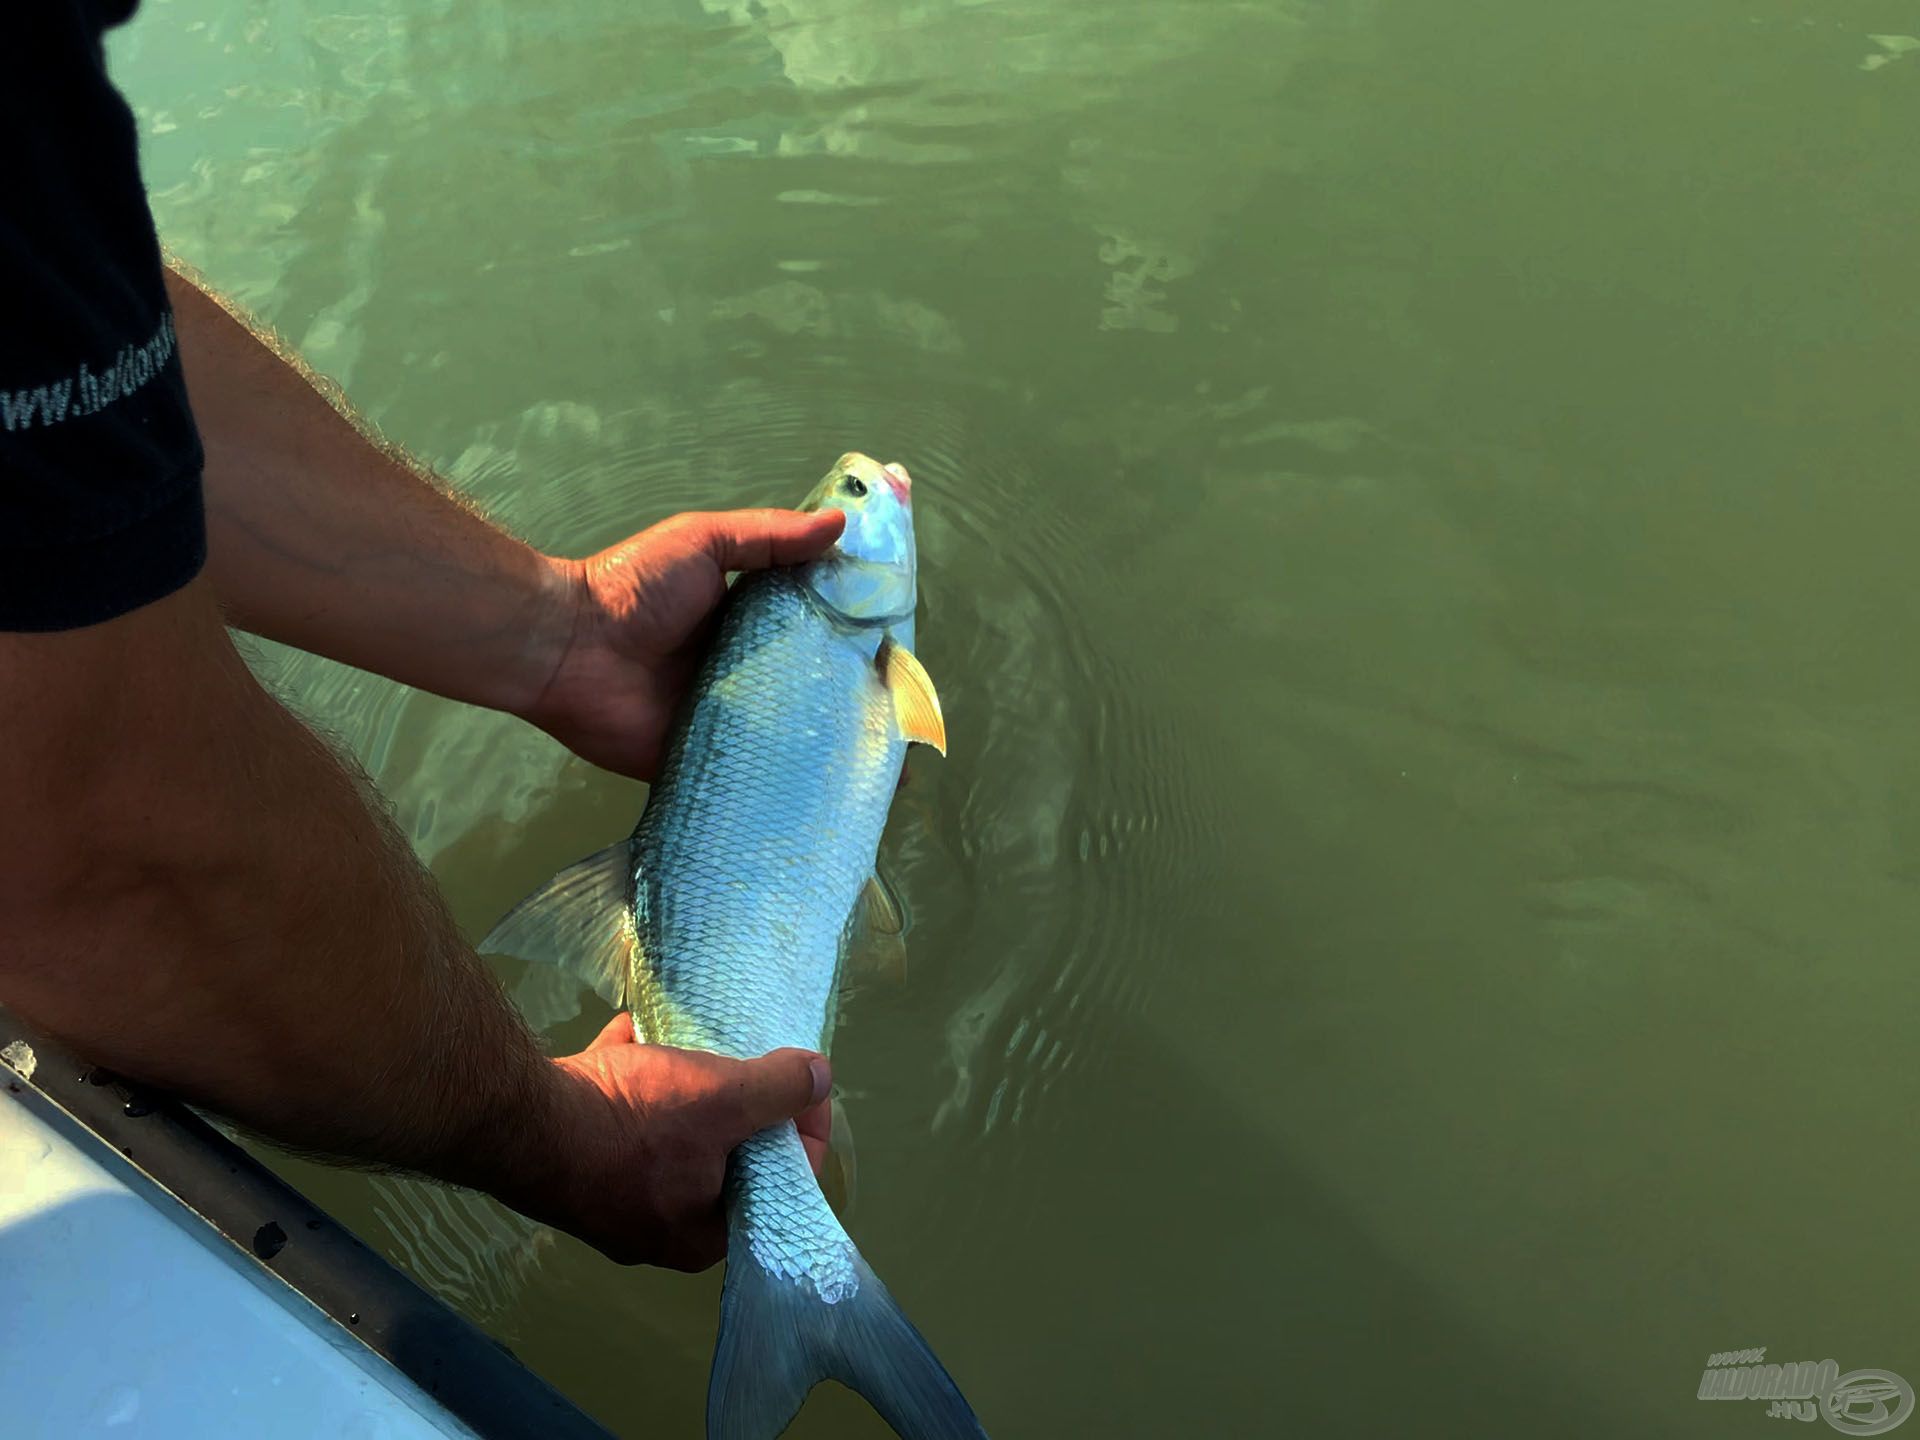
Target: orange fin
915,703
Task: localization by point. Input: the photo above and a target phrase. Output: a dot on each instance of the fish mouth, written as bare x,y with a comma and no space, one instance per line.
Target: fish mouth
898,481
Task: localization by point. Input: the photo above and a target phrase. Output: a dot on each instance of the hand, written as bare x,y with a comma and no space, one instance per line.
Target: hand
633,1158
642,616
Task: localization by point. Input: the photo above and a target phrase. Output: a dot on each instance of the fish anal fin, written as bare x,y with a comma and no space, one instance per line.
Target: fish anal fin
916,705
579,922
840,1170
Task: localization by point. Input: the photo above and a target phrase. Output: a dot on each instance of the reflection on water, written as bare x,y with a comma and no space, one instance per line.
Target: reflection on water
1415,535
472,1252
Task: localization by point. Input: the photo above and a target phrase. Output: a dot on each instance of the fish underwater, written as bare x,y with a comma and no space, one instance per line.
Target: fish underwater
725,920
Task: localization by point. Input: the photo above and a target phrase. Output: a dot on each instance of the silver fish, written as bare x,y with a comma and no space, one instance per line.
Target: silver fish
724,922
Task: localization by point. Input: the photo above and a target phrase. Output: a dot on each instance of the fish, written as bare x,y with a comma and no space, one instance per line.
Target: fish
725,920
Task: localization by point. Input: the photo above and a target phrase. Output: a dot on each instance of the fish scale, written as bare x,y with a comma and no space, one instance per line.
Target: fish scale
761,831
750,856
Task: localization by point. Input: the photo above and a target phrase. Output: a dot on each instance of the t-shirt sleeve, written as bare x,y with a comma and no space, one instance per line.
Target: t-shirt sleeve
100,503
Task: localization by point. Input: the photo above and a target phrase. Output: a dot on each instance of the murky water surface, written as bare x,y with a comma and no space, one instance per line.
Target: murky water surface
1416,935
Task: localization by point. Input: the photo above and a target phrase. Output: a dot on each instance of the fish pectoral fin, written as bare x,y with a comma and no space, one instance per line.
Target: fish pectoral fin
877,944
579,922
916,705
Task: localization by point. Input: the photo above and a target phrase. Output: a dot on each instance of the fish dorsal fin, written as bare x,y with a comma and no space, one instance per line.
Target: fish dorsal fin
915,703
580,922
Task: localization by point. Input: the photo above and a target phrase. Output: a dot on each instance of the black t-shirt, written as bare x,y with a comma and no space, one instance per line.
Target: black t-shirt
100,507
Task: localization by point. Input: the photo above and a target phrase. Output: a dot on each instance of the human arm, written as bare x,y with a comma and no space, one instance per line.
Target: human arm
193,890
197,894
329,541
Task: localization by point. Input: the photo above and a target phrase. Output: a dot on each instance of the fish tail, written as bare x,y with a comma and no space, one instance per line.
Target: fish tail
779,1338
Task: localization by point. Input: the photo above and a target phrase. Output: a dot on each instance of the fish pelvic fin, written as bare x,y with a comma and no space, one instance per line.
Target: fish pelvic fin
916,705
778,1339
579,922
882,911
876,944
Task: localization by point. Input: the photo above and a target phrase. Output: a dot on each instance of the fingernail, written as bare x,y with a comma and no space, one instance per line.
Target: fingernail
822,1078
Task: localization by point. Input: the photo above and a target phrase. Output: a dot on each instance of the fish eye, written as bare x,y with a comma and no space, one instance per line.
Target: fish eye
856,486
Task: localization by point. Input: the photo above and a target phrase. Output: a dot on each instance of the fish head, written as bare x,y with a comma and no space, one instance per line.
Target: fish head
870,574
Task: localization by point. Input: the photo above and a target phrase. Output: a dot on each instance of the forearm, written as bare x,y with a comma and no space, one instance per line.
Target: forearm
323,539
217,910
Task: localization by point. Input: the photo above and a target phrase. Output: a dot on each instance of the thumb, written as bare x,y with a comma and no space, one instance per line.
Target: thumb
617,1031
776,1087
755,539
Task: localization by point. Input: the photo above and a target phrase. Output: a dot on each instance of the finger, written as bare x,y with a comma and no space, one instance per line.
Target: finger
817,1122
617,1031
755,539
816,1133
773,1088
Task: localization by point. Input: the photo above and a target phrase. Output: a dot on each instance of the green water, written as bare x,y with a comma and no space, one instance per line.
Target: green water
1418,508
